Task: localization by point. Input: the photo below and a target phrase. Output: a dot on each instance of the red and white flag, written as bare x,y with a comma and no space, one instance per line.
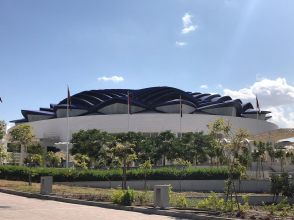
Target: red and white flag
130,104
257,105
68,97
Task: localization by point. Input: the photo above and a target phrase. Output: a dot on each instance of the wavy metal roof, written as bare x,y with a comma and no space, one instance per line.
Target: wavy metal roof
147,99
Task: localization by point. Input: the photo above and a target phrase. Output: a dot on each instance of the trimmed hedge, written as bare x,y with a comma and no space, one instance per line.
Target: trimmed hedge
65,175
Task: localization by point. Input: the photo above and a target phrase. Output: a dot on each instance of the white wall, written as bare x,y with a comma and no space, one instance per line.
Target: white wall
142,123
176,108
187,185
119,108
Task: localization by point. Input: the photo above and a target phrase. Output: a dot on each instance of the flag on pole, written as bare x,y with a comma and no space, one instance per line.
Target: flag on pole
0,99
130,104
68,97
257,105
181,106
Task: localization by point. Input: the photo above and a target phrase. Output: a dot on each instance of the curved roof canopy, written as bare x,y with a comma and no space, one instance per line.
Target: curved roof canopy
114,101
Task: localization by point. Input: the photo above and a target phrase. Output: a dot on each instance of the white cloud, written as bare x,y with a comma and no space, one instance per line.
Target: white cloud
269,93
280,119
272,95
219,86
187,23
204,87
291,116
179,43
10,125
115,79
187,19
189,29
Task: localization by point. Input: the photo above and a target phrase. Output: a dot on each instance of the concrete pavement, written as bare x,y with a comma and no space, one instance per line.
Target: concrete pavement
22,208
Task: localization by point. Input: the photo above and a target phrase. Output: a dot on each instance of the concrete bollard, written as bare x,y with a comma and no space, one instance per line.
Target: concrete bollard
46,184
161,197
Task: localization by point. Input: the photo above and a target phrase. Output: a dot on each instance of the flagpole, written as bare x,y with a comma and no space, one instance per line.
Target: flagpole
67,133
181,114
128,111
257,117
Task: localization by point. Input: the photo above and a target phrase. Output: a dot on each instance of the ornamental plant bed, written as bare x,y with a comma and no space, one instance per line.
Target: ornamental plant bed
104,195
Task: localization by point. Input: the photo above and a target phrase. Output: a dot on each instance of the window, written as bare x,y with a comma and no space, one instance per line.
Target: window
148,134
13,147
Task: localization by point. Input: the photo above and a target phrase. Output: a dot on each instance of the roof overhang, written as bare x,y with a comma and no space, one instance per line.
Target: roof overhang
278,134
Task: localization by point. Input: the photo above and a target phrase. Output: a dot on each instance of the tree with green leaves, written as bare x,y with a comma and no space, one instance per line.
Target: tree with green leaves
30,160
23,135
259,154
151,148
2,129
167,141
125,153
183,165
271,152
280,154
53,160
244,157
90,143
3,154
218,130
195,145
81,161
34,157
114,166
235,145
137,140
146,167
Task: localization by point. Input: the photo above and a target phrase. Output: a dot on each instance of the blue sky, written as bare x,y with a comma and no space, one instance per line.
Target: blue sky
230,47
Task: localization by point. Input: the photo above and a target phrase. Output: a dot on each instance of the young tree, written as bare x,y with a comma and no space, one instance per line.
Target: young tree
271,152
125,153
3,154
34,157
30,160
244,157
234,147
114,166
137,140
2,129
146,167
280,154
218,130
183,164
22,134
14,148
81,161
89,143
260,154
54,161
152,150
167,141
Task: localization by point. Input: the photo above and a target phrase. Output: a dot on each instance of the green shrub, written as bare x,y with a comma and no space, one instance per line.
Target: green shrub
181,202
272,209
214,203
129,197
63,175
170,192
123,197
117,196
143,196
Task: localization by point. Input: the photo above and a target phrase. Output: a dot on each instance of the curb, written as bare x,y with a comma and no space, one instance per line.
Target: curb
114,206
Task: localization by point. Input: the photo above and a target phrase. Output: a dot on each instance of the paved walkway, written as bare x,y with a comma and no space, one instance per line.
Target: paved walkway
21,208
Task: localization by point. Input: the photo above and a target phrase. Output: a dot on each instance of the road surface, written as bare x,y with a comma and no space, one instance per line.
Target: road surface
21,208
